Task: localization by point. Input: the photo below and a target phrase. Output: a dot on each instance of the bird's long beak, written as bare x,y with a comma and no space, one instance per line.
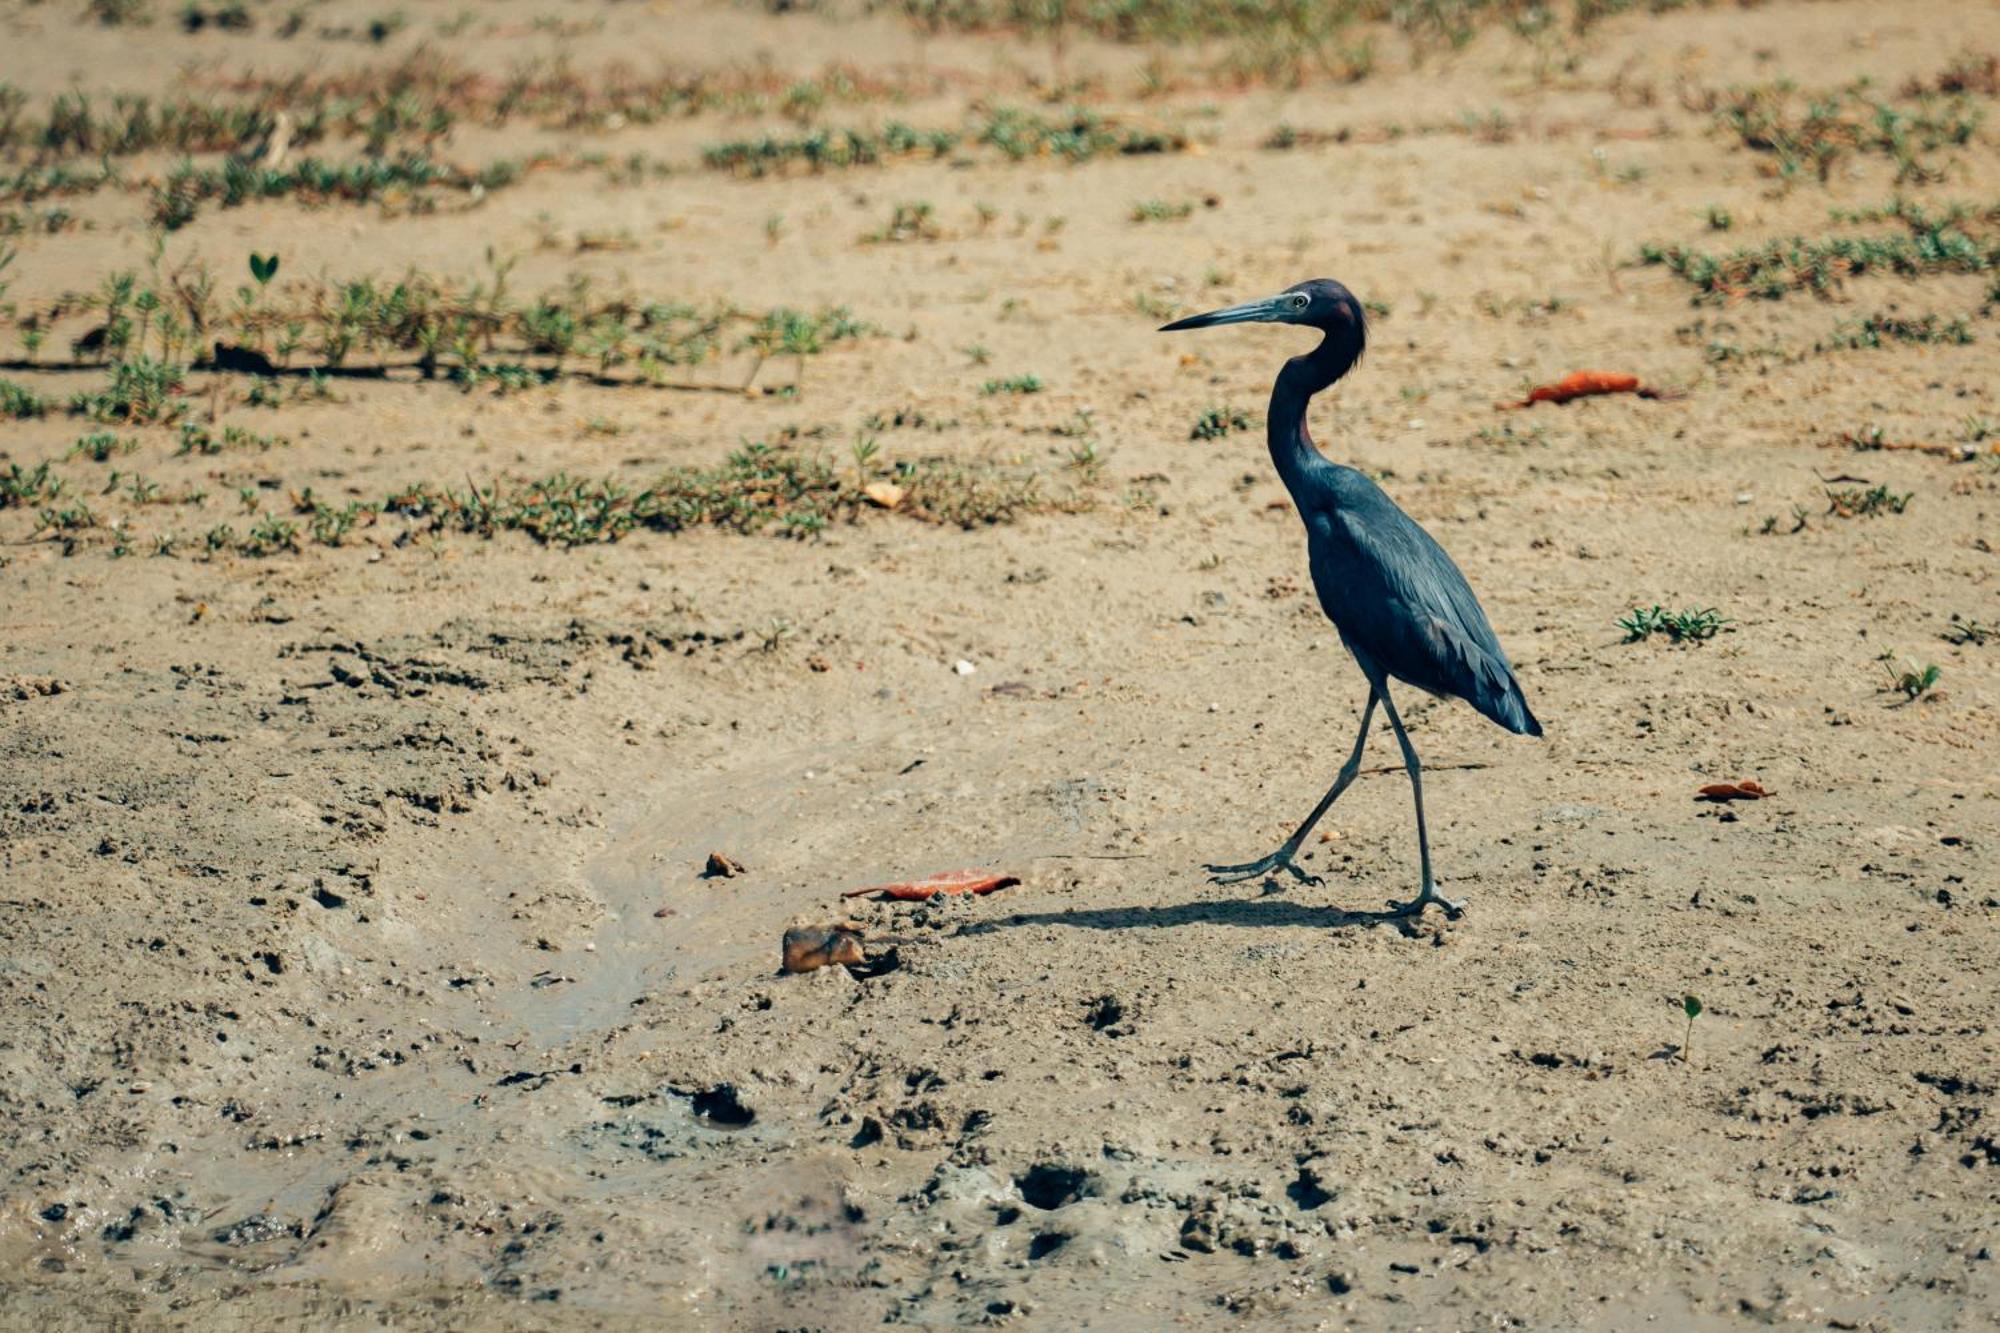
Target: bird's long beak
1267,310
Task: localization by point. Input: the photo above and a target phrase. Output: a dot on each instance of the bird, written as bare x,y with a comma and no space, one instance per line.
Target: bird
1398,603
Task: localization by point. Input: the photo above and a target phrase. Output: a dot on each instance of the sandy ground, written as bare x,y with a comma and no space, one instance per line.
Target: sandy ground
358,967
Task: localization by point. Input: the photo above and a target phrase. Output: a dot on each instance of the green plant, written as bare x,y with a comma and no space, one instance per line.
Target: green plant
1969,631
1689,626
142,390
915,221
1855,502
1880,330
1910,679
1218,422
1159,210
1692,1008
25,486
1019,384
18,401
100,445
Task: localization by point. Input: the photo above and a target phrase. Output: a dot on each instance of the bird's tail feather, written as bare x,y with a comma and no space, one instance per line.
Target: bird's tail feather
1510,709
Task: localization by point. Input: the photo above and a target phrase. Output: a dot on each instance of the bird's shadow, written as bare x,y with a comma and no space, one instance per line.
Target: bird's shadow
1267,912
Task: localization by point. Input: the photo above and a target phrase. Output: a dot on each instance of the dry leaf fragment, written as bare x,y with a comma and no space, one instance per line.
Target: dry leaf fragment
945,882
886,494
1733,791
808,948
721,867
1585,384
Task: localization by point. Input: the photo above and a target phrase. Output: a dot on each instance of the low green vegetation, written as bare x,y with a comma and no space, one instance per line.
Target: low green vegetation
1218,422
1911,679
416,101
19,401
1967,631
476,334
1016,384
1884,330
1076,136
1957,238
915,221
1690,626
761,488
1807,135
1160,210
1865,502
178,199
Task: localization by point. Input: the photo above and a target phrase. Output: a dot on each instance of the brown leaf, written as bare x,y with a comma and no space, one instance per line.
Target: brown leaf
1732,791
721,867
808,948
947,882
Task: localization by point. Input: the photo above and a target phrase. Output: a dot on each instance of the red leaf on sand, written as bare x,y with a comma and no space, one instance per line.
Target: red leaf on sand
949,881
1733,791
1584,384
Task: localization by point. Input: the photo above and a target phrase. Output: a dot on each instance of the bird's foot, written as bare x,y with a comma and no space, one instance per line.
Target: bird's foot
1453,909
1278,860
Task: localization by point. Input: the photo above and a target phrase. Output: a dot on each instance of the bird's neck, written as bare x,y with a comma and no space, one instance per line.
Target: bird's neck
1292,447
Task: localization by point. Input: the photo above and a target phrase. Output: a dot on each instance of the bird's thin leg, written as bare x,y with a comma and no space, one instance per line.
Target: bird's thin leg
1282,858
1429,895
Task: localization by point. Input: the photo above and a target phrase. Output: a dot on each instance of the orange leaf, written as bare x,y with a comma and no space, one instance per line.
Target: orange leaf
1733,791
949,881
1584,384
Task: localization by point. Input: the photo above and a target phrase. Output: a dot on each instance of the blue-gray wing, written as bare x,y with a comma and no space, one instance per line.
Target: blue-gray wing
1399,601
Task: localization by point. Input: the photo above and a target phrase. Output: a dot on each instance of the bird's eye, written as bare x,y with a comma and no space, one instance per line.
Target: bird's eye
1299,301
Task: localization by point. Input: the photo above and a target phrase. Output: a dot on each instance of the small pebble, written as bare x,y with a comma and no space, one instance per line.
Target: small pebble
963,667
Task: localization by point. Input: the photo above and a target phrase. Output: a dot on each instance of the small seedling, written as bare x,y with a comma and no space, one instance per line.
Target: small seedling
1908,678
1692,1008
1019,384
1690,626
1159,210
1972,633
263,268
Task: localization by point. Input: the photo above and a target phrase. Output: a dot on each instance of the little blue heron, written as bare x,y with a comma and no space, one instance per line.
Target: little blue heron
1401,606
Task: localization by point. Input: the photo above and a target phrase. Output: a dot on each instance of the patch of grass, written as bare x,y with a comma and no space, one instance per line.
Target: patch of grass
196,439
115,13
1219,422
827,149
177,200
1016,384
19,402
475,333
1808,134
1820,265
915,221
1872,502
26,486
1689,626
100,445
1160,210
1882,330
760,488
142,390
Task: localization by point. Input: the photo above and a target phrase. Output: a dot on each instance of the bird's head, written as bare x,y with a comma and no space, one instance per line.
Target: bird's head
1320,303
